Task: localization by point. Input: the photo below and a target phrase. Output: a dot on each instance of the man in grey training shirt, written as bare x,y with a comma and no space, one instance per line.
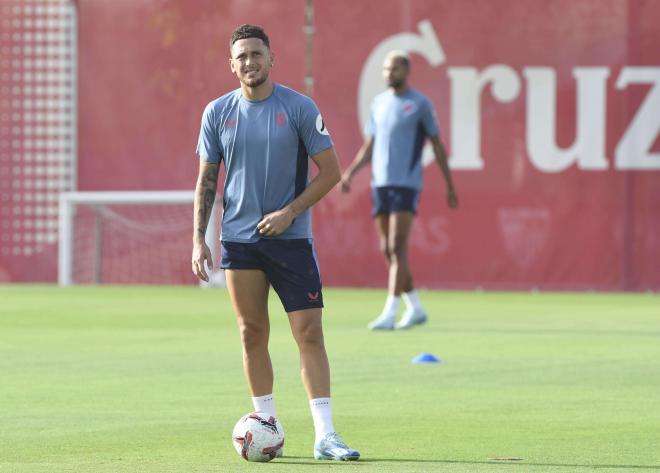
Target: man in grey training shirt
400,120
266,134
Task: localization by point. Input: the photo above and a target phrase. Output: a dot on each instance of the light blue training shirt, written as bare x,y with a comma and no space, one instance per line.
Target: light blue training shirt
400,125
265,146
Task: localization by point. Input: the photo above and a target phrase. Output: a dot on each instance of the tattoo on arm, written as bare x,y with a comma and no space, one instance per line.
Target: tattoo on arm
207,184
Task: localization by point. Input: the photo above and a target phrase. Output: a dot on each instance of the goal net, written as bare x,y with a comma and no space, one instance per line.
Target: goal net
130,238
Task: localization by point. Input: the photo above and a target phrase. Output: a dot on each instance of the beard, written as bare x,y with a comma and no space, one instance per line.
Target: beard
395,83
255,81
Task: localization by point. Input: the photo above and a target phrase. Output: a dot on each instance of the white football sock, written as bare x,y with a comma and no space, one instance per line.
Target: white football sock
322,415
391,305
412,300
265,404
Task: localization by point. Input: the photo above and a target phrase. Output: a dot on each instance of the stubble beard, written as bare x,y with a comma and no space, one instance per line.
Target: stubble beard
255,82
395,84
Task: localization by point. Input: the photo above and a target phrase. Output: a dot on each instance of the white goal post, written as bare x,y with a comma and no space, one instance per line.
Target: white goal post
69,202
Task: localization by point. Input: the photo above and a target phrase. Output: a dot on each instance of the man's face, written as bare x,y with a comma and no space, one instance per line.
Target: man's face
395,72
251,61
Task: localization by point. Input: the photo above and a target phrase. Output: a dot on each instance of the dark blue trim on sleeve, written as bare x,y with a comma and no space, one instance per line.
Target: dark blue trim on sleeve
302,169
418,146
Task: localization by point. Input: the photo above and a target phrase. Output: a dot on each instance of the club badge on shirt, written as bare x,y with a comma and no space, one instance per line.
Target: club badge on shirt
280,119
409,107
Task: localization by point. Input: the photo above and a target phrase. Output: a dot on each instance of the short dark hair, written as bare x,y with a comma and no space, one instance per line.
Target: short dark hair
400,56
249,31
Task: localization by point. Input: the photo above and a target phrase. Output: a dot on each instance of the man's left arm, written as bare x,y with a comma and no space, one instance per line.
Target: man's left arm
328,176
441,159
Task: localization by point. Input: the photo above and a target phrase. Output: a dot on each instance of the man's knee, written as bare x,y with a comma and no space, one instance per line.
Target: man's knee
310,335
397,248
254,335
385,249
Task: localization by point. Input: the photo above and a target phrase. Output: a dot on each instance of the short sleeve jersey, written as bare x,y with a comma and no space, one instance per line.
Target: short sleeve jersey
400,125
265,146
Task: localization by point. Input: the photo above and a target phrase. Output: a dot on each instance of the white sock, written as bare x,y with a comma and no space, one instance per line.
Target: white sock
412,300
322,415
391,305
265,404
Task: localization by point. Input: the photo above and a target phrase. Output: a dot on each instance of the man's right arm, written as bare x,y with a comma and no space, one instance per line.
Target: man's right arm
362,157
207,184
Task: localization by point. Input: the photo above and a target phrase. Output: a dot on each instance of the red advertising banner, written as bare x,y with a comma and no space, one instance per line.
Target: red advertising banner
550,111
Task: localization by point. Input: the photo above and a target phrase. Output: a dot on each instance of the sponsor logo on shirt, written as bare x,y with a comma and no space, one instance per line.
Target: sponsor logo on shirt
231,122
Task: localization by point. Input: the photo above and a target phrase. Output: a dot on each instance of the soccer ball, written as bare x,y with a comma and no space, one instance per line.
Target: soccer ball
258,436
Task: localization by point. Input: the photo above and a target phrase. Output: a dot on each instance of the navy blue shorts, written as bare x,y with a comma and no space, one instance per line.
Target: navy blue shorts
290,266
390,199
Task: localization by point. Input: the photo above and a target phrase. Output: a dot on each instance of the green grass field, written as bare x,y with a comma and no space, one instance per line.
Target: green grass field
149,379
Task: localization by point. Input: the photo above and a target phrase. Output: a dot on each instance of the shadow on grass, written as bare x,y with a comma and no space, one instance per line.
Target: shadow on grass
309,461
514,463
522,463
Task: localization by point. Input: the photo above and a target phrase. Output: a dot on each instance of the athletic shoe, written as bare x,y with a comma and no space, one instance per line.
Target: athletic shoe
410,318
332,448
383,322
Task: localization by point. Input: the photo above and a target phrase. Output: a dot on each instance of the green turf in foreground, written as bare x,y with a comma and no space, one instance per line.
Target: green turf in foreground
149,379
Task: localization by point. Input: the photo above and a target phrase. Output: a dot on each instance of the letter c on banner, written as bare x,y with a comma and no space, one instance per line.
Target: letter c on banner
425,44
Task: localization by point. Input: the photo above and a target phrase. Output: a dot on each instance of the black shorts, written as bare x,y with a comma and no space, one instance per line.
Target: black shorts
390,199
290,266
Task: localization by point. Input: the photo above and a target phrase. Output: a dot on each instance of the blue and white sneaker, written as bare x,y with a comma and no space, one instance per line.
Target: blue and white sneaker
385,321
411,318
332,448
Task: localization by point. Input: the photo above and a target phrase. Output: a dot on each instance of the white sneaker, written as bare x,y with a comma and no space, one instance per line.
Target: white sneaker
332,448
383,322
410,318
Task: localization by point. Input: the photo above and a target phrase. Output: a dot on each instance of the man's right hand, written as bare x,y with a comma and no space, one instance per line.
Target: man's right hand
452,199
201,253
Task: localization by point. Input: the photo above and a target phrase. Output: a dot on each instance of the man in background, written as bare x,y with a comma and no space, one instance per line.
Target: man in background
400,120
